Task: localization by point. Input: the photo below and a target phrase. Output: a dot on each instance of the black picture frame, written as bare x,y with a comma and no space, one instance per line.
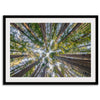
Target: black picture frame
49,83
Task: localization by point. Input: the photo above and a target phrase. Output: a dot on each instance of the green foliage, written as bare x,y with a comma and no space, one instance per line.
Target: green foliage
22,42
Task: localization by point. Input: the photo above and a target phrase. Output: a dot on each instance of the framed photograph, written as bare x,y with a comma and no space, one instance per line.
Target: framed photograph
50,50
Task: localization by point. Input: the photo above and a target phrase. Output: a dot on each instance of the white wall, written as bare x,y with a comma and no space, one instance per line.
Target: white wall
47,7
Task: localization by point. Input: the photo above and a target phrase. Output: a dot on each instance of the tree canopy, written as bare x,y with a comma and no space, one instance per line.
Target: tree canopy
50,49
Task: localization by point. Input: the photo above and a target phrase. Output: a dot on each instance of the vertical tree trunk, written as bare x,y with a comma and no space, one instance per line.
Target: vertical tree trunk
59,72
43,30
62,29
33,74
44,70
38,72
50,28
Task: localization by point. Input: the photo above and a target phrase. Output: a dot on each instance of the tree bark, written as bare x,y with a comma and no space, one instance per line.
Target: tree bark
22,72
62,29
17,27
76,69
61,75
74,29
42,26
82,64
38,72
77,55
43,73
27,27
81,71
33,74
16,56
50,28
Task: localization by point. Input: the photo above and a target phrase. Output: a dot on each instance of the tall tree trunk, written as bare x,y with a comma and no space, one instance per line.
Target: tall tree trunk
27,27
78,70
68,74
69,70
50,28
76,55
59,72
16,56
38,72
74,29
44,70
43,30
83,64
22,72
17,27
33,74
62,29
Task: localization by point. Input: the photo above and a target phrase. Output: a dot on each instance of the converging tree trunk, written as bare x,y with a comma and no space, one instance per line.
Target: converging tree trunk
50,49
38,71
74,29
16,56
17,27
22,72
27,27
44,71
59,72
83,64
43,30
76,55
33,74
62,29
51,28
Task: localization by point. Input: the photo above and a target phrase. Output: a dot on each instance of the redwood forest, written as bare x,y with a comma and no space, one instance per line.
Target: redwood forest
50,50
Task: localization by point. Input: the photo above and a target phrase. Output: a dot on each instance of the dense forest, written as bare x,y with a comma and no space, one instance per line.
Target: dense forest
50,49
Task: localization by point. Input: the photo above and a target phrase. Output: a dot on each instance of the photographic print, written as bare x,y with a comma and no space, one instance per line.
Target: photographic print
50,50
